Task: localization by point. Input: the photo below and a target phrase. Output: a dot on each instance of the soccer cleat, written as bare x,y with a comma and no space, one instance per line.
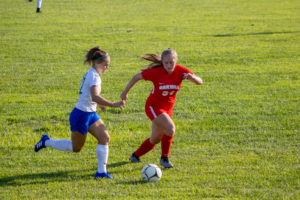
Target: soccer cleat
134,159
103,175
38,10
41,143
164,161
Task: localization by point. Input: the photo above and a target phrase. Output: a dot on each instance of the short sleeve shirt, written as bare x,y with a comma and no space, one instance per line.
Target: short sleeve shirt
85,103
165,86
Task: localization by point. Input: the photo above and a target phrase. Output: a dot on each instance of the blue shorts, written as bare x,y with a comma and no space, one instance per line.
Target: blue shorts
81,121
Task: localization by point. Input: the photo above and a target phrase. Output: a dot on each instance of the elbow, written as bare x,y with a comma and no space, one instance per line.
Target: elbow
94,98
137,77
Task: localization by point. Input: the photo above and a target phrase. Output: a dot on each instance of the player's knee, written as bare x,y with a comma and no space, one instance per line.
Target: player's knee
107,138
170,130
77,149
154,140
104,140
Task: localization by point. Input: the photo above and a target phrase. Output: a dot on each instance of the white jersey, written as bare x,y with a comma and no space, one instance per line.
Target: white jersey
85,102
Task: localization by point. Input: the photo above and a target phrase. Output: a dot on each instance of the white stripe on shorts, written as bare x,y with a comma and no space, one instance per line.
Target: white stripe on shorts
153,113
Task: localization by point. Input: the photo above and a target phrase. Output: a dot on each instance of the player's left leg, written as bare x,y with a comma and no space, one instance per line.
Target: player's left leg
74,145
98,130
165,123
166,139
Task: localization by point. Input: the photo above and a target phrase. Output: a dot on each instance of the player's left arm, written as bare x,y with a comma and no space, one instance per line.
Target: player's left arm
102,101
193,78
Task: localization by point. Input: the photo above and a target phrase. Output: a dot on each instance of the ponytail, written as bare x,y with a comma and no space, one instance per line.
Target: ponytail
156,59
95,54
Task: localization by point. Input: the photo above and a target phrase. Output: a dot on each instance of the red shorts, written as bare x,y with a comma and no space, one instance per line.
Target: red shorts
153,111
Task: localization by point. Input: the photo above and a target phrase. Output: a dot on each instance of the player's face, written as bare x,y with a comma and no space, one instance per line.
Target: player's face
103,66
169,63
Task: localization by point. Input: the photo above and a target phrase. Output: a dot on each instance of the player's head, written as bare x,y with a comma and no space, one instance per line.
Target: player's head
98,58
167,59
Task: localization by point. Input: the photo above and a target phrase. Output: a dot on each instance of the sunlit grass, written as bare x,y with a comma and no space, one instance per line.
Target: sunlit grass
237,136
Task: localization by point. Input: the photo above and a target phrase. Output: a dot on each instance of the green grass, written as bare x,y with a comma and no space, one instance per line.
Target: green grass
237,136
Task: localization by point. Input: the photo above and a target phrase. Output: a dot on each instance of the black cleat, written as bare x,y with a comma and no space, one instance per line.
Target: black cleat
134,159
164,161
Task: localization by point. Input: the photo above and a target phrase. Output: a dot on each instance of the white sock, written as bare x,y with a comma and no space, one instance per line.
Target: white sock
63,145
39,3
102,157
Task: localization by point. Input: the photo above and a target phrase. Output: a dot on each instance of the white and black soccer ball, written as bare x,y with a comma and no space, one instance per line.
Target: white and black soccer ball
151,173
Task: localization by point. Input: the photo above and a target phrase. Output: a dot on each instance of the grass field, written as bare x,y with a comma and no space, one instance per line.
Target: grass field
237,136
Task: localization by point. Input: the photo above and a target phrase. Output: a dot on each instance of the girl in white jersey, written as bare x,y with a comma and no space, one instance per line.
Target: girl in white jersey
84,118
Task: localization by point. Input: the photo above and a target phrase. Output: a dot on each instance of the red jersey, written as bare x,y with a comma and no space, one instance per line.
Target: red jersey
165,86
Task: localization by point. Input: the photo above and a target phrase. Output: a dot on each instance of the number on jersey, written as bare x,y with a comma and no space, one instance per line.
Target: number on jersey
166,93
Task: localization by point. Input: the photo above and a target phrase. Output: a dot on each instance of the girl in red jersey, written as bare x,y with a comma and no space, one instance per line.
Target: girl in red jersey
166,76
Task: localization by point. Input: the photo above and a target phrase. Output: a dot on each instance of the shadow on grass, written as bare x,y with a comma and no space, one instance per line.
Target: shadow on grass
247,34
44,178
133,182
39,178
117,164
114,111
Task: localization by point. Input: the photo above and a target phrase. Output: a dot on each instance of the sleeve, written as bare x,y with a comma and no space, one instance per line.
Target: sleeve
149,74
95,80
186,70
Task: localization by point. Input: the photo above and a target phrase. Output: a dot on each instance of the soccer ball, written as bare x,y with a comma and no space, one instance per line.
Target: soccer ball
151,173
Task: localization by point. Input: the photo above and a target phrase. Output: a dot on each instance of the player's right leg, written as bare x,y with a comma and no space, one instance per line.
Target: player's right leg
98,130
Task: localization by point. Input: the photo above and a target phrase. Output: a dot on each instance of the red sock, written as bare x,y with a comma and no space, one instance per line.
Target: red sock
166,142
145,147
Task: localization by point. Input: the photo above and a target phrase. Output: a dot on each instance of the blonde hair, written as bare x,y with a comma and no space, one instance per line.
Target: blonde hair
156,59
93,54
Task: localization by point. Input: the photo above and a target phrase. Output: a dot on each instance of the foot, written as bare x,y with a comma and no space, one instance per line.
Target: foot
103,175
164,161
41,144
134,159
38,10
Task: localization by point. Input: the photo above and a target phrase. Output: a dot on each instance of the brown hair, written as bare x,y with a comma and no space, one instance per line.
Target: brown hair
156,59
93,54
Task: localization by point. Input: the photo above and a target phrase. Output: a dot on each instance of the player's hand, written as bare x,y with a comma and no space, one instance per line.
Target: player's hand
193,78
103,108
120,104
124,96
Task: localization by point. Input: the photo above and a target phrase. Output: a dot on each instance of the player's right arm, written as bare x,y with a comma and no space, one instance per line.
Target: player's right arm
132,82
